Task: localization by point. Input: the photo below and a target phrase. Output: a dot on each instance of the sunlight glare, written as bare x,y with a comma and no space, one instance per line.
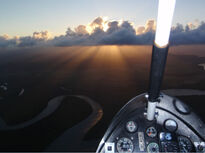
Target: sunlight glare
164,21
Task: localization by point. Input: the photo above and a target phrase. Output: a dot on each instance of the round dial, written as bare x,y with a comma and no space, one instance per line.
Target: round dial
170,125
125,145
185,144
131,126
168,136
151,132
153,148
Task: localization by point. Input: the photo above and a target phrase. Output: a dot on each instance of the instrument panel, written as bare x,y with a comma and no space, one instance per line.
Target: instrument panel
171,131
152,139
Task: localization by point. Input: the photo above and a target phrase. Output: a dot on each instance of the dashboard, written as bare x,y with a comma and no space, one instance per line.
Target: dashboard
139,135
130,131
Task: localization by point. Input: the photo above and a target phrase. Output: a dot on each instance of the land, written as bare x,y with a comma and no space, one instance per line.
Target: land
110,75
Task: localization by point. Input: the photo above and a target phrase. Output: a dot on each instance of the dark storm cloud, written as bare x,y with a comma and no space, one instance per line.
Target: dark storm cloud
5,42
186,35
38,39
101,32
124,34
119,34
81,29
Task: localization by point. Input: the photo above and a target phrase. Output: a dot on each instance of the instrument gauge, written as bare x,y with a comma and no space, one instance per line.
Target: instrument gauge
131,126
125,145
151,132
153,148
185,144
170,125
168,136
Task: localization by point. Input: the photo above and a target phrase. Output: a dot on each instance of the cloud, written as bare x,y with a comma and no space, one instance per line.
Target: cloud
43,35
123,34
188,34
101,31
140,30
6,41
97,22
149,26
81,29
38,39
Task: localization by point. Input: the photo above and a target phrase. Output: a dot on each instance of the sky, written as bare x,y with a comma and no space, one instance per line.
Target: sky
23,17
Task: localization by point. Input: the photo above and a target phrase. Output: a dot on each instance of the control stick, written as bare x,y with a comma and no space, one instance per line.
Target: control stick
159,53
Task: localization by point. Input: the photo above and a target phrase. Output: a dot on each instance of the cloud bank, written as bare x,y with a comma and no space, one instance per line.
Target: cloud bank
104,32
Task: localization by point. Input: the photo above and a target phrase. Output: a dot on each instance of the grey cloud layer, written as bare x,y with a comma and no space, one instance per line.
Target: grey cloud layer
116,34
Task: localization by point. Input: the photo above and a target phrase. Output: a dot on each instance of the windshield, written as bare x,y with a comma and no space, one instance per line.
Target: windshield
67,67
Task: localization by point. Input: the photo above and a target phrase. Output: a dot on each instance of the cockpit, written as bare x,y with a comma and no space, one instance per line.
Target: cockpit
155,122
60,90
176,128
